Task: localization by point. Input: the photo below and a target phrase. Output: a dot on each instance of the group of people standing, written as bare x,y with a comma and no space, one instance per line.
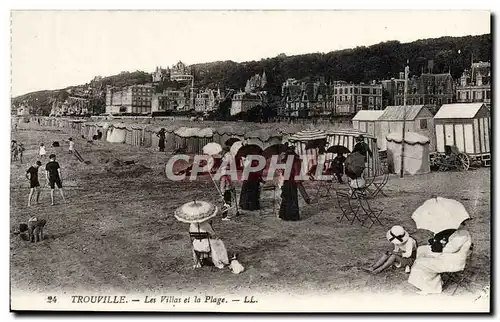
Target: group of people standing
53,175
286,205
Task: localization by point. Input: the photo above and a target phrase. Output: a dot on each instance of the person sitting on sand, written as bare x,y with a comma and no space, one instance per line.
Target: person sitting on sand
403,255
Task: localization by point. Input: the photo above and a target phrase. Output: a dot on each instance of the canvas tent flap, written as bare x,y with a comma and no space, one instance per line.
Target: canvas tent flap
205,133
262,134
410,138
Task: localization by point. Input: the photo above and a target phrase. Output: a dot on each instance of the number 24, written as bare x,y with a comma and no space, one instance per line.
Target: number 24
51,299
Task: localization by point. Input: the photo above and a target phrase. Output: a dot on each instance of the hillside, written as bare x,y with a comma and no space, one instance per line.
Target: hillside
360,64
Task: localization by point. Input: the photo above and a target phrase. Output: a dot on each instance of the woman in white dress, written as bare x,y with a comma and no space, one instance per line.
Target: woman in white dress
213,244
426,271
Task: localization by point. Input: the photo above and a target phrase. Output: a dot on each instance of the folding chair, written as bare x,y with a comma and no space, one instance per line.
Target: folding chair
460,278
368,211
328,184
203,258
348,207
378,185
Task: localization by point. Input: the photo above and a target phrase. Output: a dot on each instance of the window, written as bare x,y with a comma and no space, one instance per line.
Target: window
423,124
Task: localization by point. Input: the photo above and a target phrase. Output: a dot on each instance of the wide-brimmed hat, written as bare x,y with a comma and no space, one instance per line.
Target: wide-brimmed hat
360,137
397,235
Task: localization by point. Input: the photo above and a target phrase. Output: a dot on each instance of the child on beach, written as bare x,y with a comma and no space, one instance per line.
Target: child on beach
71,145
42,151
229,194
403,255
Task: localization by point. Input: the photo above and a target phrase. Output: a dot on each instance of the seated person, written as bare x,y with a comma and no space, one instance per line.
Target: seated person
338,166
432,260
214,245
403,254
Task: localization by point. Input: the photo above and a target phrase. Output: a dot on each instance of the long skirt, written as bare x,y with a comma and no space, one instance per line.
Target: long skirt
289,208
161,144
250,195
217,249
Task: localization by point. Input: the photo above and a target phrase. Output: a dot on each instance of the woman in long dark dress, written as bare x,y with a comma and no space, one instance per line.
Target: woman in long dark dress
289,209
250,190
161,141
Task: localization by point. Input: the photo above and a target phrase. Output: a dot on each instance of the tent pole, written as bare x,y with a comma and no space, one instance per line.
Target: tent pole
407,70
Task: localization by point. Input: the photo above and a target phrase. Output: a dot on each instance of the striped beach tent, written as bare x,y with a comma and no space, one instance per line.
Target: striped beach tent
301,140
347,137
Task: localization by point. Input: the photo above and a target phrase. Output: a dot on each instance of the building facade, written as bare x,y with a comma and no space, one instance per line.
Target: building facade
390,89
428,89
474,85
136,99
207,100
242,102
352,98
160,74
170,100
180,72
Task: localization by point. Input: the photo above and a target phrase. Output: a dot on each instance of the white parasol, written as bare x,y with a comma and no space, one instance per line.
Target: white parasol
212,148
235,147
195,212
438,214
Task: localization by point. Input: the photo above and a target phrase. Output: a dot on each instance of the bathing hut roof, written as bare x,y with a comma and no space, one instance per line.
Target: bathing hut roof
458,111
398,113
367,115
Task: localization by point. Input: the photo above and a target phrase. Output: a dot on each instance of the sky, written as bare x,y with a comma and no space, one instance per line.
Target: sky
56,49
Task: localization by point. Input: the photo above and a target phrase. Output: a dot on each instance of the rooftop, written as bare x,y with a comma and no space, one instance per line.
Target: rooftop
458,111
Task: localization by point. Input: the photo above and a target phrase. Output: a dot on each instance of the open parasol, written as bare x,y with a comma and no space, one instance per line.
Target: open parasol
231,141
212,148
195,212
338,149
250,149
438,214
275,149
354,165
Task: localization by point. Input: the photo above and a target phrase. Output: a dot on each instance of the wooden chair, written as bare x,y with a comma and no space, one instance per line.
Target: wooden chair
461,278
202,258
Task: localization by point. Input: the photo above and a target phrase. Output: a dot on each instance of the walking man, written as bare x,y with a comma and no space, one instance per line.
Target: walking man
54,177
32,176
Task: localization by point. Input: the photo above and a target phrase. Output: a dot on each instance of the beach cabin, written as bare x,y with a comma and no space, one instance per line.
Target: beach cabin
418,119
366,121
466,126
416,153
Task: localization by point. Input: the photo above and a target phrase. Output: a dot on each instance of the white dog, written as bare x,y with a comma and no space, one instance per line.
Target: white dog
235,266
